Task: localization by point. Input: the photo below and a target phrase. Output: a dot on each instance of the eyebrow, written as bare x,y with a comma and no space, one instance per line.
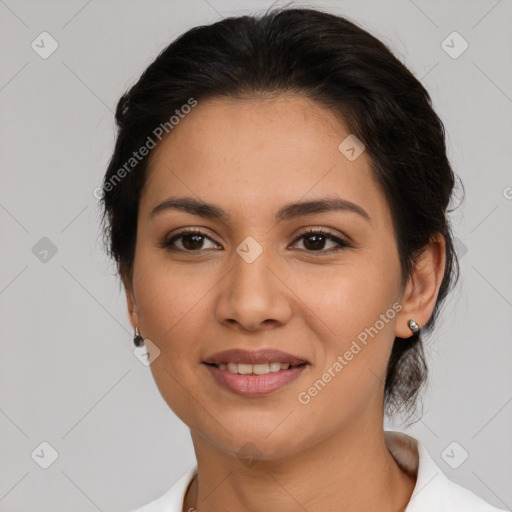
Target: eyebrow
287,212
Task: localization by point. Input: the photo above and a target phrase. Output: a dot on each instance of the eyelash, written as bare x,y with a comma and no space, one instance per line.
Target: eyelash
168,243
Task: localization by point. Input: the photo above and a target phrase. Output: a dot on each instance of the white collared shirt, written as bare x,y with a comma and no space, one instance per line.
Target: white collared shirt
433,492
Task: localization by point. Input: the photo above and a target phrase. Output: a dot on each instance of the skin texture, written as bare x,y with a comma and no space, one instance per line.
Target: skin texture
251,157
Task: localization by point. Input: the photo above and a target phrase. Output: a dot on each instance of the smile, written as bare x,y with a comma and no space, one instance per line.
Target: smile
256,369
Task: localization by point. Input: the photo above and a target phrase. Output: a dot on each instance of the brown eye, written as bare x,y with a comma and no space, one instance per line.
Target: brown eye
191,242
314,242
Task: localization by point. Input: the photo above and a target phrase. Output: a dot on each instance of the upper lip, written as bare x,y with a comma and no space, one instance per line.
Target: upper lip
253,357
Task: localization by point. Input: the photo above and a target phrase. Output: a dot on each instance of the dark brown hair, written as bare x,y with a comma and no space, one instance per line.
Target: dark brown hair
334,62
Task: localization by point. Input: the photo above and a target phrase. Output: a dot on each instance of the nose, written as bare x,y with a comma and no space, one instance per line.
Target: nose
254,296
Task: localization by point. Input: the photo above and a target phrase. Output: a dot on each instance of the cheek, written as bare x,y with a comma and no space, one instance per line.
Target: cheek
174,305
355,309
169,314
168,296
347,299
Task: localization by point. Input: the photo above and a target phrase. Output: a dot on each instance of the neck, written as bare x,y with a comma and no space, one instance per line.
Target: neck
353,470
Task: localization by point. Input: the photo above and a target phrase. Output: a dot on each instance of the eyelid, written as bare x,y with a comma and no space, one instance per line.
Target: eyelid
166,243
342,243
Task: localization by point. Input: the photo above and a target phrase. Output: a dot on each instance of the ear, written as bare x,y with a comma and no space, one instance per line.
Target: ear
133,312
420,294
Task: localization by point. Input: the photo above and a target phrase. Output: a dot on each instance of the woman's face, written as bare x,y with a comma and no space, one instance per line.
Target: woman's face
254,281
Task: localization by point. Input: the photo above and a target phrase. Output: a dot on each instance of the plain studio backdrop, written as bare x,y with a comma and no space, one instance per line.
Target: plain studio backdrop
74,397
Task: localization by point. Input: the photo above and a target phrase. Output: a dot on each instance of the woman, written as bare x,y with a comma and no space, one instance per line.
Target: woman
276,206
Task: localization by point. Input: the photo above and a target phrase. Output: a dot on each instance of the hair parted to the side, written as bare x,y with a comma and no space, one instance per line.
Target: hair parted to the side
332,61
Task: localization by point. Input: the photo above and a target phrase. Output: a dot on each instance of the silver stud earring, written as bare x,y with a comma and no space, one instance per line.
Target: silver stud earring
138,340
413,325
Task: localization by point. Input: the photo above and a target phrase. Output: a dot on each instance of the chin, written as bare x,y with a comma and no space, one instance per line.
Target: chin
256,442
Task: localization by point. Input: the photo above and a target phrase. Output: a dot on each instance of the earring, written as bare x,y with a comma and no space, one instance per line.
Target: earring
413,325
138,340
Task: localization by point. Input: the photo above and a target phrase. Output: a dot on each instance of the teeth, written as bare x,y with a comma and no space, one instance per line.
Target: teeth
258,369
244,369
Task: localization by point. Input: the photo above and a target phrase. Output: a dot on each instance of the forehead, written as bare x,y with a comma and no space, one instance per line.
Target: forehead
259,153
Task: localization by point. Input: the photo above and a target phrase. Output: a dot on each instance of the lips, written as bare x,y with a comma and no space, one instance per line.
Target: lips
254,373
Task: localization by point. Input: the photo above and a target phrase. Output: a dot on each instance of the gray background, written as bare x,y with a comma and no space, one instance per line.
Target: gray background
68,375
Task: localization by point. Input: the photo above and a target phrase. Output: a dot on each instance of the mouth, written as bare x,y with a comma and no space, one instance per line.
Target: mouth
254,374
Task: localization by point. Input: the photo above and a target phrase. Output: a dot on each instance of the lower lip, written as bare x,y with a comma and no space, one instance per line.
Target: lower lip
255,385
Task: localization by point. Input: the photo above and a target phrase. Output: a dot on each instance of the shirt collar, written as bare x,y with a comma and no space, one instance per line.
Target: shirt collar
415,460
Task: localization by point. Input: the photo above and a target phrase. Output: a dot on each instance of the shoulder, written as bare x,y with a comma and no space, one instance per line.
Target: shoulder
451,497
172,500
435,491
